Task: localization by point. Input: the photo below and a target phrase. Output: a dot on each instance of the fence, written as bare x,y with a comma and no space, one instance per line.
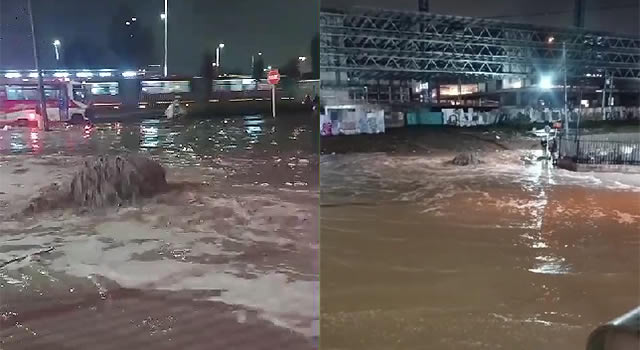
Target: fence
590,151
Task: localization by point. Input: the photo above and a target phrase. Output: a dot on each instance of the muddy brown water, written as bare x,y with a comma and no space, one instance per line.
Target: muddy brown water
417,254
227,258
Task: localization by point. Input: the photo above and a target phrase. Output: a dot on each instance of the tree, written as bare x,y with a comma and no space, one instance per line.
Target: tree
291,69
258,68
207,71
129,40
82,53
315,56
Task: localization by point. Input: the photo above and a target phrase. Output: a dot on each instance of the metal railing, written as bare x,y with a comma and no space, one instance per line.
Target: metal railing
590,151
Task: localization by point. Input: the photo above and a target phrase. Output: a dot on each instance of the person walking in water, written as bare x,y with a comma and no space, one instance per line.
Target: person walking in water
175,110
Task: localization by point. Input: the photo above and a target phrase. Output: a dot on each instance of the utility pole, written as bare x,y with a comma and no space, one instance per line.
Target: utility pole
604,96
566,111
43,98
610,100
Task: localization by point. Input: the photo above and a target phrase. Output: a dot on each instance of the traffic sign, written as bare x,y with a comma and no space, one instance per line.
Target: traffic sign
273,77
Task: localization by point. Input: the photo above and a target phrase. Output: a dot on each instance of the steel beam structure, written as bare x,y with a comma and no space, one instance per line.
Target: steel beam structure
401,45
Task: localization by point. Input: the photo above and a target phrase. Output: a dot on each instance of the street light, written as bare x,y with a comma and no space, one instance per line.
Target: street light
56,47
218,49
163,17
546,82
302,58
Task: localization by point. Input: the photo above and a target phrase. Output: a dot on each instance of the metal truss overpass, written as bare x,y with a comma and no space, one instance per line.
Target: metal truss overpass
401,45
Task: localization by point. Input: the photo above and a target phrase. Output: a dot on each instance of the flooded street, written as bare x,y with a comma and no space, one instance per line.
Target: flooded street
227,258
420,254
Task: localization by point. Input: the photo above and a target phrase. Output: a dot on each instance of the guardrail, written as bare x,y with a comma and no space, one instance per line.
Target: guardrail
585,151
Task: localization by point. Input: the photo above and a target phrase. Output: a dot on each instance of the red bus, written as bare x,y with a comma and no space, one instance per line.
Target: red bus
19,101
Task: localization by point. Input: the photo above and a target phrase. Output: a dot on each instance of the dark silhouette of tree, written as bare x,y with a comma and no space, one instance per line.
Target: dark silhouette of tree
207,71
258,68
315,56
83,53
291,69
129,40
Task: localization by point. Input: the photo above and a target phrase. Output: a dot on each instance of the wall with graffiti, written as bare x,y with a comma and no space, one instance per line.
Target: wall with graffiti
351,120
468,117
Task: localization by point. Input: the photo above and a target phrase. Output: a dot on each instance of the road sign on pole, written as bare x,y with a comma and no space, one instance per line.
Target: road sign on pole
273,78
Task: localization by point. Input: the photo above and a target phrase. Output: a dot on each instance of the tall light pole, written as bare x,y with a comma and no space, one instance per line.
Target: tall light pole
165,17
218,49
56,47
36,58
564,66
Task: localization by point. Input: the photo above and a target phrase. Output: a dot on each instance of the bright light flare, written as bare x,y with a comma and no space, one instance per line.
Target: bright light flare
546,82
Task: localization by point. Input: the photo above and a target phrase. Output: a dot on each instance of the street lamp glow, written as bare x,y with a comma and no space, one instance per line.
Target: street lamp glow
218,49
127,23
302,58
259,53
56,48
551,39
546,82
133,19
163,16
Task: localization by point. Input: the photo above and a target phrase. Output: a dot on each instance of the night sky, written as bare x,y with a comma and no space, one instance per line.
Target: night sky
281,29
620,16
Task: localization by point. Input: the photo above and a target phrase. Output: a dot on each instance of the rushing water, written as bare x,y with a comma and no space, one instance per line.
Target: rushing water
417,254
227,260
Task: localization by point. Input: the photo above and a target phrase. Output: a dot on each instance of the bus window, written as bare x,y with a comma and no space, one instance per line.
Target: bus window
79,93
30,93
153,87
98,89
